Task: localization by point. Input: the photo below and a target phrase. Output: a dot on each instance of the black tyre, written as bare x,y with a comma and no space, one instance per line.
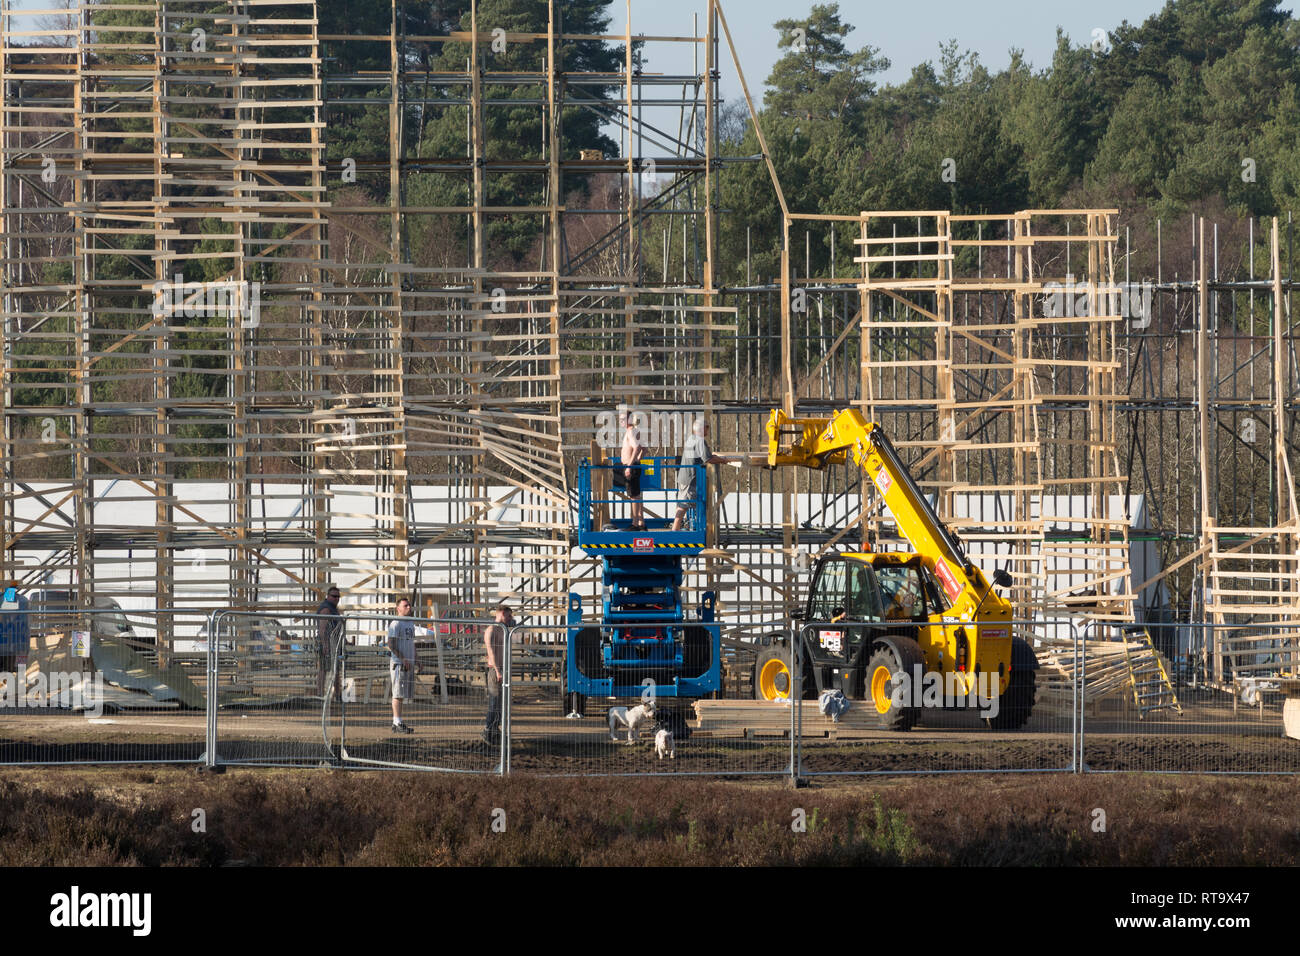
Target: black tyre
774,675
1017,701
884,663
698,651
586,651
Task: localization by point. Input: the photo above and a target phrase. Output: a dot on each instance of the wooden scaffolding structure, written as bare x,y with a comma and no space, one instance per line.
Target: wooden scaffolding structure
305,370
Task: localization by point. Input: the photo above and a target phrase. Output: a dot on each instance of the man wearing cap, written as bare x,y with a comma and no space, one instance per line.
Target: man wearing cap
329,632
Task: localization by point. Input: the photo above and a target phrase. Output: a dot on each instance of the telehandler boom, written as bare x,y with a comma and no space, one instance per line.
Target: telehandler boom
904,630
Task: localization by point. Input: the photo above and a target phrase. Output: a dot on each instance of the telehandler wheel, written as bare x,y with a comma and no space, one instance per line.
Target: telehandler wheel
1017,701
885,662
773,678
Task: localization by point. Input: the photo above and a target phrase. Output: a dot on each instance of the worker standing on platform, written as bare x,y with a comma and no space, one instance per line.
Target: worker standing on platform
631,459
696,451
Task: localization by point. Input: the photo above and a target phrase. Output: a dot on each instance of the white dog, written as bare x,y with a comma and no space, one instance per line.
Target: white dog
633,718
664,744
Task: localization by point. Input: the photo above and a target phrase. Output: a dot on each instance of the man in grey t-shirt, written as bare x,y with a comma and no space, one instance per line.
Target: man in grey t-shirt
403,665
696,451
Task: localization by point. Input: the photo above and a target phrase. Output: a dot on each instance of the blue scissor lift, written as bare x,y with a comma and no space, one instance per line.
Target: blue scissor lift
645,632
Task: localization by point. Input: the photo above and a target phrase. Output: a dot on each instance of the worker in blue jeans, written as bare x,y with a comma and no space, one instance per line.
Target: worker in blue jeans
494,641
14,637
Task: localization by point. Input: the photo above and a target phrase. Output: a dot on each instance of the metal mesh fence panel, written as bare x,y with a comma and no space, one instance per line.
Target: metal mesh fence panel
1192,698
652,733
452,717
319,690
132,686
876,700
100,686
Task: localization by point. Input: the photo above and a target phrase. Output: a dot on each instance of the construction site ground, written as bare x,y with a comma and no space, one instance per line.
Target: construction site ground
1207,737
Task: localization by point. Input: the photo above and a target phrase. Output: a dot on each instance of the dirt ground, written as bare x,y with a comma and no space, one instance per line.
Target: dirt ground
1207,737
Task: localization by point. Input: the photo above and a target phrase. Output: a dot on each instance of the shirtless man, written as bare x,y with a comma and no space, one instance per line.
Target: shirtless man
630,457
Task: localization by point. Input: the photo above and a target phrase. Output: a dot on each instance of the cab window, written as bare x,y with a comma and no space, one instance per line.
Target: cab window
829,590
864,602
903,593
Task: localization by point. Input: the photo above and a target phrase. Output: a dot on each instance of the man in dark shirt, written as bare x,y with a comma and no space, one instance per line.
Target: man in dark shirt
494,641
14,638
329,635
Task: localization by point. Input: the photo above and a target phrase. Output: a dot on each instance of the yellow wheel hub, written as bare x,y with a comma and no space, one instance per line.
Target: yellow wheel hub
880,689
774,680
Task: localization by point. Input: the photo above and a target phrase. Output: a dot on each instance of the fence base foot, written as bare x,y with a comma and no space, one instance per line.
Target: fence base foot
798,783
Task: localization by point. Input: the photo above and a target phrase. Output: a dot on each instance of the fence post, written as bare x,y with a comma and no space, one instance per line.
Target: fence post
796,701
1081,696
506,690
210,752
341,649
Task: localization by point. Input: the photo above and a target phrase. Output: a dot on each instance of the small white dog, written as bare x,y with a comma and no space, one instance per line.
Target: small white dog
633,718
664,744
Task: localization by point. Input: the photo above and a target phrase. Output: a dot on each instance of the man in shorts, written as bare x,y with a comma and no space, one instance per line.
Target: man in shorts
402,664
630,456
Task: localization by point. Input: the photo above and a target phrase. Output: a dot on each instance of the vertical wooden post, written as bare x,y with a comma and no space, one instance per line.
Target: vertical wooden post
1203,370
397,581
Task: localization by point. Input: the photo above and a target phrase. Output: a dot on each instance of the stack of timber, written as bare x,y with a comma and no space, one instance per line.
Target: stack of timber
1106,671
761,718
